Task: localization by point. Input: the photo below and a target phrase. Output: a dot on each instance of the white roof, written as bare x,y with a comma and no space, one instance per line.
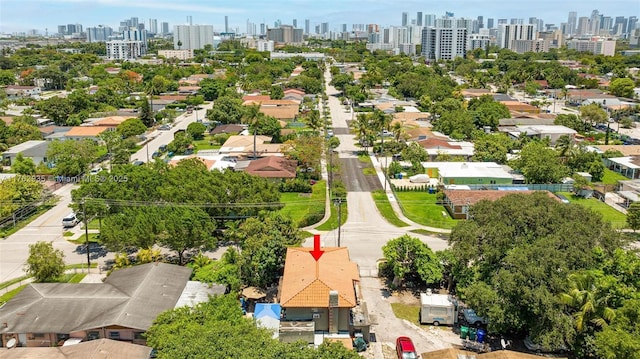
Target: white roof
198,292
441,300
625,161
24,146
468,169
532,129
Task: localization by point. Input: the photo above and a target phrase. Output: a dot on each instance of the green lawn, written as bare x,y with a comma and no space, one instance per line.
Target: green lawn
93,224
206,144
298,206
93,238
382,202
611,177
617,219
332,223
421,208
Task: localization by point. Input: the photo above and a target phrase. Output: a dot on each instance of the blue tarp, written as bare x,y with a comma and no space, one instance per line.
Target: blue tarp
267,315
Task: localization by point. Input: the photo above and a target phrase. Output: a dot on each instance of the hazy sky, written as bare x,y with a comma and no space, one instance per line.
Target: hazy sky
23,15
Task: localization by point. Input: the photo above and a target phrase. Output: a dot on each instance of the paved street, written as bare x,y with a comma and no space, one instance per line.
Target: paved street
14,250
164,137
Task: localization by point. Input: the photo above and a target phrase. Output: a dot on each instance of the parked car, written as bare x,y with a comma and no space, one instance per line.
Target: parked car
164,128
155,154
162,148
530,345
95,171
472,318
70,220
138,163
329,133
405,348
386,133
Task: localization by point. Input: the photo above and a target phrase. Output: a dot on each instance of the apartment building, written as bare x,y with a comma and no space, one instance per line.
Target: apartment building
192,37
444,43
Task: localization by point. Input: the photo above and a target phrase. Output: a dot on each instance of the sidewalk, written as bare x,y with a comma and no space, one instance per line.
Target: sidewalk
396,206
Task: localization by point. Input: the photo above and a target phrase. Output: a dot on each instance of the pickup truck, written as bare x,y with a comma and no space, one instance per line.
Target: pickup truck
472,318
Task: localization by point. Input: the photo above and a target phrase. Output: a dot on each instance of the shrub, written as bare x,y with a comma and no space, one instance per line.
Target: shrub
296,185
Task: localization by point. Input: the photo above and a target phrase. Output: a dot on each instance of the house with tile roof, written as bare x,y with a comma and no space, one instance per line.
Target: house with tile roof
321,292
272,167
436,147
93,349
121,308
79,133
458,201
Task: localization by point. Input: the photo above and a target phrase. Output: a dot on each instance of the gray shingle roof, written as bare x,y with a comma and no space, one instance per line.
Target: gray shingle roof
131,297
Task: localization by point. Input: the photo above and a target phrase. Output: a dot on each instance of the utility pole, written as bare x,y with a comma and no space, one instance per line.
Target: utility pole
339,200
86,233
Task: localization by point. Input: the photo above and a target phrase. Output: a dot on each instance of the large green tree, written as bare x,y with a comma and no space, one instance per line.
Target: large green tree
540,164
226,110
72,158
131,127
410,260
622,87
514,270
45,263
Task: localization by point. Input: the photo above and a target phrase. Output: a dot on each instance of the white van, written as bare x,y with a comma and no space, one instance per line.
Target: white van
69,220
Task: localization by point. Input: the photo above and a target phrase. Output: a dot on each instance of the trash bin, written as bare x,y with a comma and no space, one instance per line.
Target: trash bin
399,175
481,335
472,334
432,190
464,332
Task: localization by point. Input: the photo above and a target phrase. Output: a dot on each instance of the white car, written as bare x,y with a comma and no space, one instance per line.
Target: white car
95,171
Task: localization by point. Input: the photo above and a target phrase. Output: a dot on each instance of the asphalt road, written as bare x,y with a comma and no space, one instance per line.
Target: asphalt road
14,250
164,137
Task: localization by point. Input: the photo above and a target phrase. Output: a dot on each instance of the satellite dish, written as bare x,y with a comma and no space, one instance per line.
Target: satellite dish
11,343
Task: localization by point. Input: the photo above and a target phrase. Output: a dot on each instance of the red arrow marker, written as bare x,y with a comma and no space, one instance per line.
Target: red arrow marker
316,253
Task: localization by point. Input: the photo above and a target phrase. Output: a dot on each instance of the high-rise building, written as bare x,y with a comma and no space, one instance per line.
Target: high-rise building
429,20
295,23
192,37
515,21
446,41
621,23
572,23
478,41
632,24
594,23
189,20
490,23
101,33
62,29
502,22
507,34
480,22
153,26
595,46
405,18
324,28
285,34
165,28
606,24
419,18
226,24
306,26
131,45
263,29
71,29
583,26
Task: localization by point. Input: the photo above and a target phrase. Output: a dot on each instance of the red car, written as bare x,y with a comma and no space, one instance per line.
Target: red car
405,348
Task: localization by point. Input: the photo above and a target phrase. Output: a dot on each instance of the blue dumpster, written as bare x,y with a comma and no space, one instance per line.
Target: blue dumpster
481,334
432,190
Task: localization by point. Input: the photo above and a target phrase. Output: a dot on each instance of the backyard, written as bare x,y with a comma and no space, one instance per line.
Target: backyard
421,208
617,219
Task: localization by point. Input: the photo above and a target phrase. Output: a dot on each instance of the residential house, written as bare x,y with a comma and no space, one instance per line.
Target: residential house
320,294
628,166
35,150
93,349
525,121
242,147
626,150
449,173
15,91
423,133
272,167
79,133
212,162
469,94
283,110
520,107
436,147
458,201
256,98
552,132
159,104
233,129
188,90
122,308
109,122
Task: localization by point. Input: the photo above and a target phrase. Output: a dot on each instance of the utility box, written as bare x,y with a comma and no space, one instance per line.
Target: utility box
438,309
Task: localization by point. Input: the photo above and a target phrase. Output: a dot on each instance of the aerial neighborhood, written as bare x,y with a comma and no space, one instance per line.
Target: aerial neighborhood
444,187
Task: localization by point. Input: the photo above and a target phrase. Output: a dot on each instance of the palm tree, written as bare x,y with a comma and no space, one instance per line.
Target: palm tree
591,305
563,145
253,115
362,125
398,131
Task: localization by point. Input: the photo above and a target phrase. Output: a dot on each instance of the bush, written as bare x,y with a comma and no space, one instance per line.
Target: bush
296,185
221,138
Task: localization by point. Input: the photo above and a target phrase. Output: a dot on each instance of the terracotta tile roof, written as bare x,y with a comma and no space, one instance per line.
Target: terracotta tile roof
112,121
414,133
280,112
438,143
188,88
384,106
272,167
306,283
85,131
470,197
269,102
294,91
632,150
243,141
172,97
207,162
256,98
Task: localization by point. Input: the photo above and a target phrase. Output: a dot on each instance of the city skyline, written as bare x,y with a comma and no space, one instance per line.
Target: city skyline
22,16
